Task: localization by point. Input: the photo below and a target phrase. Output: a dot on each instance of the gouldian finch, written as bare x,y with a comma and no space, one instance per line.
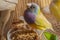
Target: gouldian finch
35,18
50,36
55,9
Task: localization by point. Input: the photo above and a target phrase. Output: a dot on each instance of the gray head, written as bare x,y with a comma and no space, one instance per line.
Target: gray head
33,6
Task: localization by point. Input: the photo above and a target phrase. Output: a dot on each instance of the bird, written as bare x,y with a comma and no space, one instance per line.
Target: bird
55,9
36,19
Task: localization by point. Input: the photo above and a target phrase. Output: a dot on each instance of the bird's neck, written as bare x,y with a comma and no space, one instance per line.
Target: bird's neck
37,10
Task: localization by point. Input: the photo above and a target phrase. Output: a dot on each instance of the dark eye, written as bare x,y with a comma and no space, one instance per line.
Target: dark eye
32,7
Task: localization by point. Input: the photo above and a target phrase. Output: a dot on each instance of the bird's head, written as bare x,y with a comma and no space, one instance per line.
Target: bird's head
33,6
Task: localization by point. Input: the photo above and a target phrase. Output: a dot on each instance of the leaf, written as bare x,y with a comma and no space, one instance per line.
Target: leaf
50,36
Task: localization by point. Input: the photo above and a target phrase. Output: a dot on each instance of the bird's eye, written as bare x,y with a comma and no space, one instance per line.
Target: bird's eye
32,7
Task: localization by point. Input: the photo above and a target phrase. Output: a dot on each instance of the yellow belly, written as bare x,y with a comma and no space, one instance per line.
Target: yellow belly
37,27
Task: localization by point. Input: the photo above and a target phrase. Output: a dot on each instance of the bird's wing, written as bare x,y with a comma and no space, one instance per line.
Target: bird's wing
39,21
42,22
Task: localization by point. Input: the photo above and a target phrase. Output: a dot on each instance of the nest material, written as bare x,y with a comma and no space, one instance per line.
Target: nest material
24,35
22,32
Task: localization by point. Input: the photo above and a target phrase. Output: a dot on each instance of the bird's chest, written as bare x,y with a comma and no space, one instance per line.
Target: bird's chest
29,18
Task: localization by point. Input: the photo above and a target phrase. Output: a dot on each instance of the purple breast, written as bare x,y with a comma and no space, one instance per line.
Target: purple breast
29,17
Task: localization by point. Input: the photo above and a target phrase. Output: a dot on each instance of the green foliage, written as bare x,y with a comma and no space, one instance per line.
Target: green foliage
50,36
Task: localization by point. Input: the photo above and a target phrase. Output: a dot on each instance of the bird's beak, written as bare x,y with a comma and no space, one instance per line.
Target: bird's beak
29,5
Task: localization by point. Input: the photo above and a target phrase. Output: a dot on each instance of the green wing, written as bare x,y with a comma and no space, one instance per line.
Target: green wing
50,36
